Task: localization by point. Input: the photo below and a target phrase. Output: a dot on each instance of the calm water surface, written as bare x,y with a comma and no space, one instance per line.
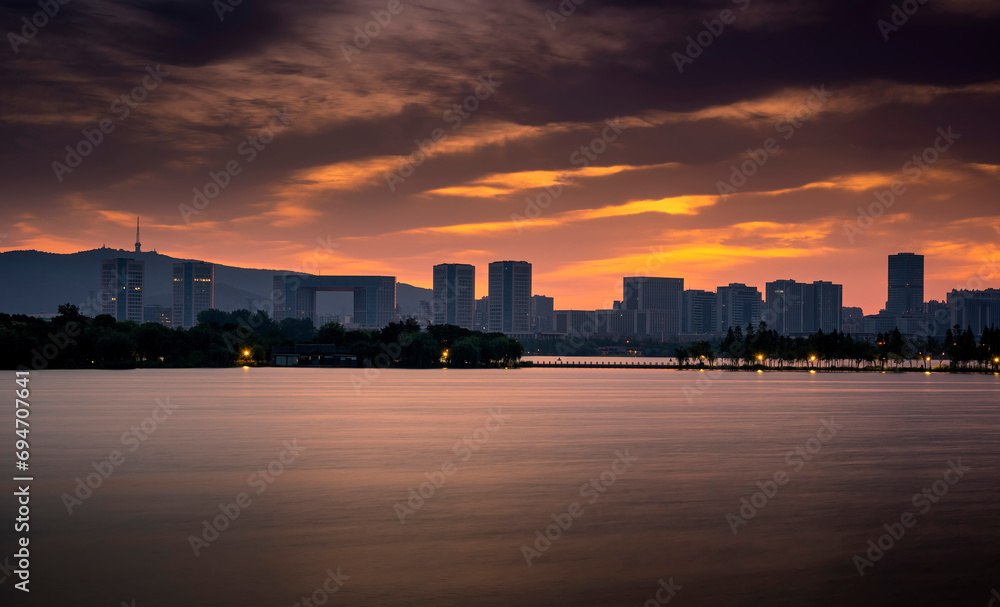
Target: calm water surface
702,442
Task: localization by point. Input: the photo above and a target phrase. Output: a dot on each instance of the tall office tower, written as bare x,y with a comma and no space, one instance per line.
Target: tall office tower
738,306
542,313
455,295
510,297
826,305
122,288
194,292
700,312
656,302
906,284
786,307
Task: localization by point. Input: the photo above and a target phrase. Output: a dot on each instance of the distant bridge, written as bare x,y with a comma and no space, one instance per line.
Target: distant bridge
591,364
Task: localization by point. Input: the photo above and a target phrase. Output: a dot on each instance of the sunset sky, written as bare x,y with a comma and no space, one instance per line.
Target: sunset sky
848,102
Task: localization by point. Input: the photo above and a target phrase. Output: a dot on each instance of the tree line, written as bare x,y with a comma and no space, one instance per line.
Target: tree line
241,337
766,347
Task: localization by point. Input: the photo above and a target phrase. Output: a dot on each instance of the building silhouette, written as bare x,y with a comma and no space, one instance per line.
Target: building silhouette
974,309
122,286
483,314
455,295
738,305
294,296
656,303
542,313
906,284
510,297
795,308
699,312
162,315
194,292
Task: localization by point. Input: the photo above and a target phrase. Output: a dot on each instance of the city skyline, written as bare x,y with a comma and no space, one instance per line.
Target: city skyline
581,150
981,279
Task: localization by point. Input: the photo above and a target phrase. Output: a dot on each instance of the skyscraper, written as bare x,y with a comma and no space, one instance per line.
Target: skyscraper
656,302
455,295
122,282
194,292
795,308
826,301
510,297
738,306
906,284
786,307
700,312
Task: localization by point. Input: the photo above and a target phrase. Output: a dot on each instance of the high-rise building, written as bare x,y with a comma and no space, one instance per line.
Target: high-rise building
122,282
906,284
786,307
652,293
483,314
656,302
826,301
795,308
542,310
194,292
738,306
510,297
699,313
455,295
975,309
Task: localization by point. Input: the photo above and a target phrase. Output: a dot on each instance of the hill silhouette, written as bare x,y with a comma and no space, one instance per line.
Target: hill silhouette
36,282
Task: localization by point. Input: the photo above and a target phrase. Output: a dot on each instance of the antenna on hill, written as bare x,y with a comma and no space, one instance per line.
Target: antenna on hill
138,247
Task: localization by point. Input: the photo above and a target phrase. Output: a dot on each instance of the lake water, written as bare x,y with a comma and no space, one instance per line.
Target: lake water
697,443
